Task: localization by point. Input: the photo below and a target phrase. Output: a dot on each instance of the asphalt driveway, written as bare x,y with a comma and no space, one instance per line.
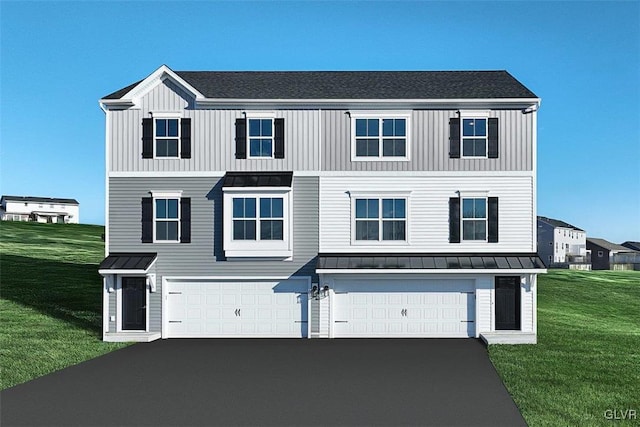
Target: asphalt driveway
271,382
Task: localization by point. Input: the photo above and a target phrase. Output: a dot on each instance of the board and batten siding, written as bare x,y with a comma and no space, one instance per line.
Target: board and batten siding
428,212
213,137
429,144
204,255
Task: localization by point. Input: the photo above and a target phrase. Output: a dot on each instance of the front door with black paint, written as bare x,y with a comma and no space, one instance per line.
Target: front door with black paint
134,299
508,303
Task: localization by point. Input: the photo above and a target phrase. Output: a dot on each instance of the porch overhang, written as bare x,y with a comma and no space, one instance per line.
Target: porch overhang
127,263
421,263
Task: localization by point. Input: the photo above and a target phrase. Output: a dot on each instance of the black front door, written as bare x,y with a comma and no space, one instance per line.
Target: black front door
508,303
134,310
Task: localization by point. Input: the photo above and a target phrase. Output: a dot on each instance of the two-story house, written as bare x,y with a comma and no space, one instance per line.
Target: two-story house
39,209
561,244
321,204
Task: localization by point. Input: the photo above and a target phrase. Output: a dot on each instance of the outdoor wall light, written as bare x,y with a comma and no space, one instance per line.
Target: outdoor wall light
325,291
314,291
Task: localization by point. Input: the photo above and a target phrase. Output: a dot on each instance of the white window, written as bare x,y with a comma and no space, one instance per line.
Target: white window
381,219
377,136
260,137
474,219
167,137
260,222
166,214
474,137
264,223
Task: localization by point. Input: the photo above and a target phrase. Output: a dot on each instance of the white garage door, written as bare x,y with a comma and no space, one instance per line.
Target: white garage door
375,308
237,309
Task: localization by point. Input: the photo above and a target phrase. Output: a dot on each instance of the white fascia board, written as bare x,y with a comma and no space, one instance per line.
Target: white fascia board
233,278
275,190
427,271
132,98
221,173
481,103
107,271
159,75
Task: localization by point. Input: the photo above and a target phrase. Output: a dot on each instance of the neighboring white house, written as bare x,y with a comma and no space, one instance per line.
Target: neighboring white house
562,244
39,209
321,205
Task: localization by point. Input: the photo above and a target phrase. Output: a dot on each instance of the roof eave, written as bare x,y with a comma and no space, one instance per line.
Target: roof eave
429,270
487,103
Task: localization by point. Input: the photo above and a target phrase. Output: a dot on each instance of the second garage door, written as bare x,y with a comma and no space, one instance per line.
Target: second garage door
237,309
378,308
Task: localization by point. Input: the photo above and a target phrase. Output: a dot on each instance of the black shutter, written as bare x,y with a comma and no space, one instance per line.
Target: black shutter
454,220
185,138
454,138
147,220
147,138
492,151
241,138
185,220
492,220
278,151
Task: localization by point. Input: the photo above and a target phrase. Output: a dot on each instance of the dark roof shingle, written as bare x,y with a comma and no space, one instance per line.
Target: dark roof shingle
558,223
40,199
351,85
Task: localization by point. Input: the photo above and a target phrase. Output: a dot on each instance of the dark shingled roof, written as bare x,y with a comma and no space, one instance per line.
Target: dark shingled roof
429,261
258,179
40,199
558,223
632,245
352,85
128,261
607,245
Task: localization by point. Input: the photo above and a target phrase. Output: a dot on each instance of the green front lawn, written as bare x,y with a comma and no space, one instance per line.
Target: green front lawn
587,359
50,298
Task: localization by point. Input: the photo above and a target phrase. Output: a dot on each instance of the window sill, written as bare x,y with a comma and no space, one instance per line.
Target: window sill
380,159
263,254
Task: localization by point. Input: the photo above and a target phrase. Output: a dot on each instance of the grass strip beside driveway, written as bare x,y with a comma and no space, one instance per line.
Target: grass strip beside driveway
50,300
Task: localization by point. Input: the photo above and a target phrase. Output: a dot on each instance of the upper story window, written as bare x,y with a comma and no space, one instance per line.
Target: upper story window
266,223
380,137
474,219
260,137
380,219
474,137
259,217
167,135
167,219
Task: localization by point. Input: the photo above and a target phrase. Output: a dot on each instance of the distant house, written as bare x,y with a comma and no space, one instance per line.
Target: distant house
39,209
609,256
562,245
632,245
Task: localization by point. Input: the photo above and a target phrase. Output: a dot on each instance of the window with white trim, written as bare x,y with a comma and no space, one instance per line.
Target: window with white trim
166,219
260,222
380,219
167,137
474,137
260,137
474,219
378,137
265,223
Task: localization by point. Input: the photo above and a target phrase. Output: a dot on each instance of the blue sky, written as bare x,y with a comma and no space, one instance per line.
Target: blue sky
582,59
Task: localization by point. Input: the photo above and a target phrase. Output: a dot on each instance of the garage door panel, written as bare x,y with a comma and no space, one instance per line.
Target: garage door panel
219,309
404,309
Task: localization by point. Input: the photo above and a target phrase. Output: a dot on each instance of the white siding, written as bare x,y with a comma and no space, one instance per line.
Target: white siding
484,312
428,207
526,301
